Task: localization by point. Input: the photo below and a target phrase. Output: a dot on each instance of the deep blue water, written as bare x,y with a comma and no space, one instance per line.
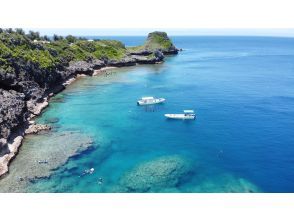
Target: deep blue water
241,89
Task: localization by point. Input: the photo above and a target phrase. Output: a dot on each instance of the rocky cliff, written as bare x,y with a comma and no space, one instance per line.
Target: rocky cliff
156,41
33,67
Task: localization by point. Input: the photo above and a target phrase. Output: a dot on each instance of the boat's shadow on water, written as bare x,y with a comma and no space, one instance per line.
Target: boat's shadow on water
151,108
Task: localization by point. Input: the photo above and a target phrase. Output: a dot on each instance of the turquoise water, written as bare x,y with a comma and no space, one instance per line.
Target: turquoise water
242,91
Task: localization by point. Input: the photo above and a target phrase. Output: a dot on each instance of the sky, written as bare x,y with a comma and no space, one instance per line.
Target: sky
170,31
138,17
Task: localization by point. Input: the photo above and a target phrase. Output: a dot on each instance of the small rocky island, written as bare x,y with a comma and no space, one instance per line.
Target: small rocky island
33,68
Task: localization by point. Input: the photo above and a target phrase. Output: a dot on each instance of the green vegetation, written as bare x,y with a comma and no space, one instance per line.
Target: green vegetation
30,54
47,55
156,40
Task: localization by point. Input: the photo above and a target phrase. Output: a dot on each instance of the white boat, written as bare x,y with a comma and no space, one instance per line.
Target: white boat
187,115
150,101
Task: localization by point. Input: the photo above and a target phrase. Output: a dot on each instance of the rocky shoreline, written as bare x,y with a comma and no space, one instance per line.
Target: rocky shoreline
23,99
40,157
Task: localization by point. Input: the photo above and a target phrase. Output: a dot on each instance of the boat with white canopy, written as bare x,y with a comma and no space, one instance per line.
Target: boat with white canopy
187,115
150,101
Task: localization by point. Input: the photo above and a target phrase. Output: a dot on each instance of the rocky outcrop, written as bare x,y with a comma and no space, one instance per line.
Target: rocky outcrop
35,108
12,111
7,80
141,52
127,61
12,149
171,51
155,175
145,60
36,128
31,90
3,147
161,41
156,57
83,67
159,55
156,41
25,91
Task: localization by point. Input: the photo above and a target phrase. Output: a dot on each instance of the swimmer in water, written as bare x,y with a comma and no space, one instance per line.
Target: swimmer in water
100,181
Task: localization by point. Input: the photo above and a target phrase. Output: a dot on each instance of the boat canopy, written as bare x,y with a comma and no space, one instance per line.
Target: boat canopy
146,98
189,111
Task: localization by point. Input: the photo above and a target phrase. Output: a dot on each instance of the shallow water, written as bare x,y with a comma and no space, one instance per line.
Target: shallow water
242,91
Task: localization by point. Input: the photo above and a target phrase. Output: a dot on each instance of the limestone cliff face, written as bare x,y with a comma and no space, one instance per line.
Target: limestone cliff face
12,111
30,70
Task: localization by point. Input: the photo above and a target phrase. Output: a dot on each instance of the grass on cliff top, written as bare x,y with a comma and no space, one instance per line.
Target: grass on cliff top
156,41
85,50
19,48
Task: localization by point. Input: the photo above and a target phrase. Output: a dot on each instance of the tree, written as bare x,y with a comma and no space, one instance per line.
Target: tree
9,30
46,38
33,35
57,38
19,31
71,39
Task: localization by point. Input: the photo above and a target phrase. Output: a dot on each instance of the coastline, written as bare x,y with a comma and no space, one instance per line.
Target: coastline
16,139
25,97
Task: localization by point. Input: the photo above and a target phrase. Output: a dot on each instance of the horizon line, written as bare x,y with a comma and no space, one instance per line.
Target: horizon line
264,32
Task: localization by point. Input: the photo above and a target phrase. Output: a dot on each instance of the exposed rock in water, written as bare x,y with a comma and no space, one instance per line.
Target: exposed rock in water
10,150
36,128
36,107
159,55
40,155
156,175
156,40
85,67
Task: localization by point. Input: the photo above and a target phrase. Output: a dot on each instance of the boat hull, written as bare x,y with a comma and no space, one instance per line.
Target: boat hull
180,116
152,102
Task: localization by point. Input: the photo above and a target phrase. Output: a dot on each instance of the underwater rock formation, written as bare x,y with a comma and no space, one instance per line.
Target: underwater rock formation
156,175
224,183
39,156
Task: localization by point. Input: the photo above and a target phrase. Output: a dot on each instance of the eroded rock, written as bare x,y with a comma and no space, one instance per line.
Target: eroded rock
12,111
36,128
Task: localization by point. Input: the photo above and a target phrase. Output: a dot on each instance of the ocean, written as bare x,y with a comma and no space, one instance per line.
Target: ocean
241,89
